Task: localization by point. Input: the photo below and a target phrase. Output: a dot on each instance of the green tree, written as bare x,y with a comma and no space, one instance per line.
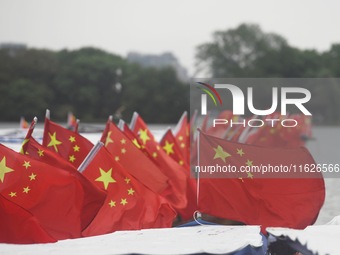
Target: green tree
157,95
247,51
233,53
23,98
84,81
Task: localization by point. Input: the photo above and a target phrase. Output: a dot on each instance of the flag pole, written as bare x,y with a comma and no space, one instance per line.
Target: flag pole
121,124
48,114
198,163
90,156
133,121
77,126
244,135
197,214
28,135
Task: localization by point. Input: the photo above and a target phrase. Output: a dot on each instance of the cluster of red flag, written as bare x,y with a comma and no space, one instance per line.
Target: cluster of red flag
66,187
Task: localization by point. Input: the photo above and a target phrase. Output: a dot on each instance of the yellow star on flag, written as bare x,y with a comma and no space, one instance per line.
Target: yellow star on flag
12,194
22,146
135,142
130,191
127,180
54,142
143,135
4,169
112,203
40,153
26,190
76,148
240,152
168,148
250,175
249,162
108,139
71,158
32,176
26,164
123,141
72,139
123,201
105,177
220,153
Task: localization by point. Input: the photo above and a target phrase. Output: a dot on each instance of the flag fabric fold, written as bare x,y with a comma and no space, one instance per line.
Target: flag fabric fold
133,159
93,196
19,226
182,194
52,195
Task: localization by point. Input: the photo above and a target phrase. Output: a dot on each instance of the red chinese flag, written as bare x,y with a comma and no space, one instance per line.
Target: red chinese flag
70,145
270,134
182,194
296,136
129,205
35,150
52,195
169,144
254,199
182,135
222,130
72,123
93,196
18,226
23,123
133,159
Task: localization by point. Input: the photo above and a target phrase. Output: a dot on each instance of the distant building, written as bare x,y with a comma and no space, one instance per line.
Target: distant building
159,61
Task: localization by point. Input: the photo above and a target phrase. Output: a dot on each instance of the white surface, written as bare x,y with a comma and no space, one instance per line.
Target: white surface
186,240
322,239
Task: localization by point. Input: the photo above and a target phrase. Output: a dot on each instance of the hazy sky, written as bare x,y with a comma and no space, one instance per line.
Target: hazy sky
156,26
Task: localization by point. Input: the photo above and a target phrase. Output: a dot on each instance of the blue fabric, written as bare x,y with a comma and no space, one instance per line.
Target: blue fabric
249,250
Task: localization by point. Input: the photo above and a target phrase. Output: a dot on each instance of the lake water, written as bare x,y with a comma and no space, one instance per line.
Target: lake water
324,148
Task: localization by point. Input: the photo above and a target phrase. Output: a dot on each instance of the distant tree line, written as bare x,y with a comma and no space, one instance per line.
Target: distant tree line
86,81
89,82
248,52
